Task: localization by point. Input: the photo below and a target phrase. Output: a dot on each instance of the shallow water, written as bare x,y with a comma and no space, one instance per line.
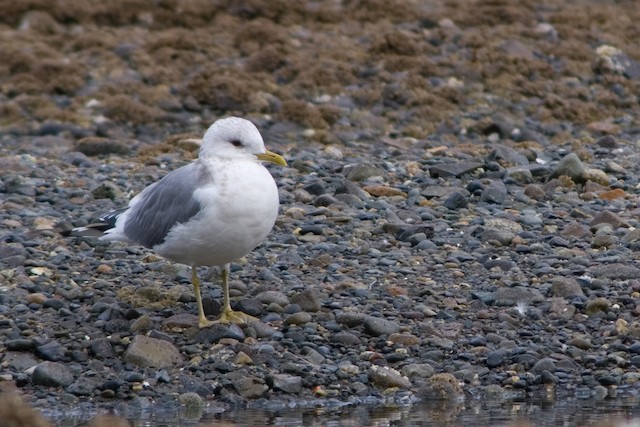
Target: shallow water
570,412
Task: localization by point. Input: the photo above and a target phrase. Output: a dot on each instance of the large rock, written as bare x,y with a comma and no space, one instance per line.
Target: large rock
386,377
377,326
52,374
250,387
571,166
146,352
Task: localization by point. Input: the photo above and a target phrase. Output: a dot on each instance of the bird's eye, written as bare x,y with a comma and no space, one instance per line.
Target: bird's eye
236,143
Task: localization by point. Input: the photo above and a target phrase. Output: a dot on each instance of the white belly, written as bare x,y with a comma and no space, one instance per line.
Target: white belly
238,212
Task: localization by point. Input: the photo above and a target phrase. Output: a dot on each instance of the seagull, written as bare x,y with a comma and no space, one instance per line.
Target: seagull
210,212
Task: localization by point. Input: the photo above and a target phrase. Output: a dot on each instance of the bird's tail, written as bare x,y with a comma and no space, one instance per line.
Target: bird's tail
98,228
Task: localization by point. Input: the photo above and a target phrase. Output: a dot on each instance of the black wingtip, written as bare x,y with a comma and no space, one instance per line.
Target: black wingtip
97,228
109,219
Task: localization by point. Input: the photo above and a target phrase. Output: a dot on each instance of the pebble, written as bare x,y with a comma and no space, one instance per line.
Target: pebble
104,269
565,287
350,318
386,377
346,338
534,191
308,300
596,305
52,374
52,351
250,387
36,298
443,386
273,297
404,339
141,324
94,146
454,169
383,191
495,359
193,406
12,255
219,331
377,326
102,349
455,201
506,156
19,361
495,192
545,364
361,171
287,383
570,166
608,217
299,318
150,352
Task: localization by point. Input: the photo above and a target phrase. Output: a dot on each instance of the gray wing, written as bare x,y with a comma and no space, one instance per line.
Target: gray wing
164,204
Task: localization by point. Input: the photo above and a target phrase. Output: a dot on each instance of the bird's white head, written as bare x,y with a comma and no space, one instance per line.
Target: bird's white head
232,137
235,137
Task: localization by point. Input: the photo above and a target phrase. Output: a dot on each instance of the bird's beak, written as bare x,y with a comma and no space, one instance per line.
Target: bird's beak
270,156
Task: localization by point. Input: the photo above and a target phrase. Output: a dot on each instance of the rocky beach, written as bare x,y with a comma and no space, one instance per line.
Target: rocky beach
458,219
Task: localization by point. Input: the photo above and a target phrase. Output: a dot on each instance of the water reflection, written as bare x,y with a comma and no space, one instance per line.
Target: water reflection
570,412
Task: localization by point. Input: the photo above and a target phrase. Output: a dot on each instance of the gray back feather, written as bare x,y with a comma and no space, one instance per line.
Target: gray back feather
164,204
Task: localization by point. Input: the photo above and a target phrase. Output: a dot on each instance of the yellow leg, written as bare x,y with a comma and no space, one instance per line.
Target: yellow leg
202,319
228,315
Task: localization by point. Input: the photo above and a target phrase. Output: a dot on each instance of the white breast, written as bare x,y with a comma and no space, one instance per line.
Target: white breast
239,209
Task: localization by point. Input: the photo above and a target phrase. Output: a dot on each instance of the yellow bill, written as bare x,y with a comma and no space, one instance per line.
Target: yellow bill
270,156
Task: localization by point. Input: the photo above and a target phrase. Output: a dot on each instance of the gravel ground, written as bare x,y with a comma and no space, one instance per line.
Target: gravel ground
458,219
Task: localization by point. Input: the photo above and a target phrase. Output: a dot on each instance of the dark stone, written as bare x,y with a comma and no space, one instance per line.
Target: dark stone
502,264
495,359
54,303
95,146
495,193
250,306
609,380
453,169
362,171
110,385
12,255
325,200
506,156
615,271
308,300
51,351
487,298
19,344
102,349
351,188
134,377
52,374
635,348
478,341
316,188
217,331
548,378
104,191
403,232
607,141
545,364
456,201
211,306
635,361
190,384
377,326
346,338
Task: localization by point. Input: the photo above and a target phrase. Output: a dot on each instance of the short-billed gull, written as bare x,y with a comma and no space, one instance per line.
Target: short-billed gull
208,213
